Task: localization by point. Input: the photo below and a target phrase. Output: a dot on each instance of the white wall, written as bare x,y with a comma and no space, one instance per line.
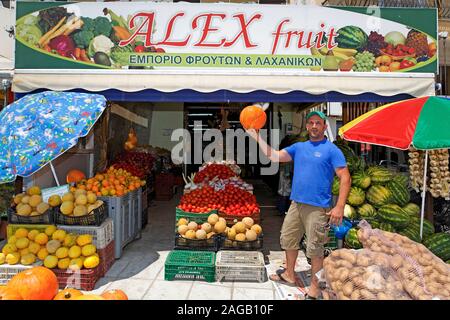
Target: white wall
287,111
6,42
165,118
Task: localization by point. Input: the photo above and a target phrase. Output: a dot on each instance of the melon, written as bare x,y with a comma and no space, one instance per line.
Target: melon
28,259
182,229
231,234
192,225
67,207
42,207
54,200
200,234
190,234
81,200
240,227
35,200
240,237
212,219
248,222
34,190
220,227
68,197
80,211
251,235
207,227
257,228
24,210
52,246
182,221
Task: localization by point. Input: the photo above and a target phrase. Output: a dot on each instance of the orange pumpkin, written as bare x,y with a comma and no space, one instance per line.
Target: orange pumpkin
89,297
68,294
253,117
9,294
74,176
37,283
114,295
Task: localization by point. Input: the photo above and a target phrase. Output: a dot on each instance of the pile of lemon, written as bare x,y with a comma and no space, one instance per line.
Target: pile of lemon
55,247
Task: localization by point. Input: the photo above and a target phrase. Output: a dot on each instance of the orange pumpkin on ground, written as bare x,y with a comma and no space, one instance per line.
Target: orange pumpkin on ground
74,176
253,117
68,294
37,283
116,294
9,294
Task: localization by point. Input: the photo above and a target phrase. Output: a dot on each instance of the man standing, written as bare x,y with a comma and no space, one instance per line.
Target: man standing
315,162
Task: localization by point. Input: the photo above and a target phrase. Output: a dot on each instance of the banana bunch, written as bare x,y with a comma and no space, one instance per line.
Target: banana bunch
339,53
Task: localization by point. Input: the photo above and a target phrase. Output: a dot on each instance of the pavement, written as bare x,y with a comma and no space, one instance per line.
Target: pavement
140,270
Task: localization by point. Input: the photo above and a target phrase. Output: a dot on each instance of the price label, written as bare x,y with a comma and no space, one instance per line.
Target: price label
60,191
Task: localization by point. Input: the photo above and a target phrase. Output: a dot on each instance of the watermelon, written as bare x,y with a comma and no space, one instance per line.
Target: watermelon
356,196
448,261
411,232
361,180
351,37
349,212
412,209
439,244
351,239
402,179
386,227
335,187
378,195
367,212
379,175
355,164
428,227
374,224
394,214
400,194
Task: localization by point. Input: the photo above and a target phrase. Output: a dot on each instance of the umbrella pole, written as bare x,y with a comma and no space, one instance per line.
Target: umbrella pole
54,173
422,209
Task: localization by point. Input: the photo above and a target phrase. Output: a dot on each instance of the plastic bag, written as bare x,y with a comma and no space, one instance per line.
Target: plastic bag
361,275
424,276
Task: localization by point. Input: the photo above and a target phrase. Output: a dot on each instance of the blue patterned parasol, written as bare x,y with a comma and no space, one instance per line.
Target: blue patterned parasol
38,128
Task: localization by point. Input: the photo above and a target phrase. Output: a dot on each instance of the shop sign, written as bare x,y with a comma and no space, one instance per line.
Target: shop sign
227,37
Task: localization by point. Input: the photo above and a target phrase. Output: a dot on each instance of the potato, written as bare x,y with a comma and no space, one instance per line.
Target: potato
367,295
442,268
384,296
350,257
382,261
358,282
347,288
396,261
428,270
344,264
398,286
343,274
362,261
355,295
341,296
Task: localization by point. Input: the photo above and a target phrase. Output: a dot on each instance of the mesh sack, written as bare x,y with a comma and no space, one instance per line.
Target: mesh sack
424,275
361,275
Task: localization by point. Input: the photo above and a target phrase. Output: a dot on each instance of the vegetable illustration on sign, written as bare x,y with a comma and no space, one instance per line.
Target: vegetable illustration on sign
114,37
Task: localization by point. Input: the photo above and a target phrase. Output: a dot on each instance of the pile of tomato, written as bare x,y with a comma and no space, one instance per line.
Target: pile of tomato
214,170
230,201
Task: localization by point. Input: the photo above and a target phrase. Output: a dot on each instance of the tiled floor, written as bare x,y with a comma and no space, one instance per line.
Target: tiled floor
140,270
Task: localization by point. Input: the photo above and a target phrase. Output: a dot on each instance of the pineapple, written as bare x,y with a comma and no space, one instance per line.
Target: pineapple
418,41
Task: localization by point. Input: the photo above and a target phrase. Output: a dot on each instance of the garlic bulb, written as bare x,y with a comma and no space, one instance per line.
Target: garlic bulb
439,172
416,163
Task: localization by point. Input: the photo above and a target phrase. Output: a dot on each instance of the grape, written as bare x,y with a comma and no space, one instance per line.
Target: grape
365,62
375,43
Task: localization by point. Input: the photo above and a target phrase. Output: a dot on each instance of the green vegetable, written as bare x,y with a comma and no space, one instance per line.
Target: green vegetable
88,24
83,38
29,33
30,20
119,55
102,26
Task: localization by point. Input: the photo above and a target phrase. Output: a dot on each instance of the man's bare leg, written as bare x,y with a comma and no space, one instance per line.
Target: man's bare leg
291,259
316,266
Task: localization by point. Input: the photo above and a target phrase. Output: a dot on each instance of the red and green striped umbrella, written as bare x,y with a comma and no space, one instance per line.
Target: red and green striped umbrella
421,122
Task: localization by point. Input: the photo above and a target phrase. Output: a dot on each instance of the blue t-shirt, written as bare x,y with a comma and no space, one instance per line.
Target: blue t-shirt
314,168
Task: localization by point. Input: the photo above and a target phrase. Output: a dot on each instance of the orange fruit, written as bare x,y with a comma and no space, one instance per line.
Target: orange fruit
104,192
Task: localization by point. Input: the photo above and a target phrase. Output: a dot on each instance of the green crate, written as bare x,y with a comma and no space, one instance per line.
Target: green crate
190,265
196,217
332,241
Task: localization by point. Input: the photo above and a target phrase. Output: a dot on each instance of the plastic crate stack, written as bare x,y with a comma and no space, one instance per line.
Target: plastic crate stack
126,213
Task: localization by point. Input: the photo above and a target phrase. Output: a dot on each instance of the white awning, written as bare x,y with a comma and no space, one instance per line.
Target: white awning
384,84
6,67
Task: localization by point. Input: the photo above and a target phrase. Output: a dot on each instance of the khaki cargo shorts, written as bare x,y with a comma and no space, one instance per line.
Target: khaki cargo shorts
300,219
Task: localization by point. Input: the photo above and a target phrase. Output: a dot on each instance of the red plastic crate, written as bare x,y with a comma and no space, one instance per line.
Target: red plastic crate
84,279
107,258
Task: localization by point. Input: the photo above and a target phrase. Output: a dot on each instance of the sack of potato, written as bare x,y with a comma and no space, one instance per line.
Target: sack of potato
361,275
424,276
